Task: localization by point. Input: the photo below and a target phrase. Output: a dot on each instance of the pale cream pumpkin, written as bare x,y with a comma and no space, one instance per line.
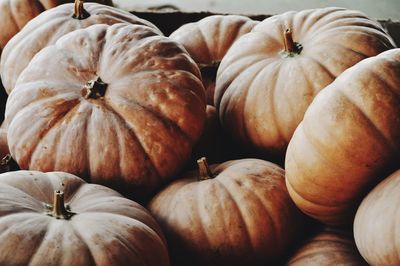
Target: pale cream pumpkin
14,14
208,40
377,221
234,213
269,76
119,105
57,219
49,26
348,140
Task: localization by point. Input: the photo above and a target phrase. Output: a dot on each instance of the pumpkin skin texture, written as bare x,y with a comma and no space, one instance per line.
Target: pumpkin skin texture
99,226
50,26
242,216
376,223
263,87
208,40
14,14
326,248
348,140
133,133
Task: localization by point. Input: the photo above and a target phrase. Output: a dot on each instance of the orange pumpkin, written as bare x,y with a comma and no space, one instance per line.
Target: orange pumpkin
58,219
119,105
269,76
347,141
326,248
208,40
235,213
376,223
50,26
14,14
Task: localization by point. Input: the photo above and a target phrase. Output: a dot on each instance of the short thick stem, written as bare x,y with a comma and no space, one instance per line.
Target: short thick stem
58,210
290,46
94,89
79,10
204,170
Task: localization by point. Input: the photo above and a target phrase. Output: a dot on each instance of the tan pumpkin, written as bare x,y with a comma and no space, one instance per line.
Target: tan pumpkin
376,223
119,105
234,213
326,248
14,14
58,219
269,76
49,26
348,139
208,40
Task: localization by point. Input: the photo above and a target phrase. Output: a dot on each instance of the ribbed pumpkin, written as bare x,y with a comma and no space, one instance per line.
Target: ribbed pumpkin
327,248
119,105
208,40
58,219
348,139
14,14
269,76
48,27
377,221
234,213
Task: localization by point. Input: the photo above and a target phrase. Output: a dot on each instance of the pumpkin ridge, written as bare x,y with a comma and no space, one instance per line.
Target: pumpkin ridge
80,237
198,214
134,136
387,86
59,119
371,124
239,211
204,40
322,66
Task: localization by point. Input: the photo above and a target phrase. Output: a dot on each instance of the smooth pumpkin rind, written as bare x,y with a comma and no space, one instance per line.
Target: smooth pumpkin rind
358,114
115,232
262,92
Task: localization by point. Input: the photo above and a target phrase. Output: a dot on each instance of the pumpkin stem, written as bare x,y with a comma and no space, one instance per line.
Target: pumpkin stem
94,89
291,48
204,170
79,11
58,210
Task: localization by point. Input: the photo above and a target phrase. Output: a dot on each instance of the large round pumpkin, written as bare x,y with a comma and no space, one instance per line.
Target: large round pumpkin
48,27
377,221
327,248
119,105
58,219
234,213
269,76
208,40
14,14
347,141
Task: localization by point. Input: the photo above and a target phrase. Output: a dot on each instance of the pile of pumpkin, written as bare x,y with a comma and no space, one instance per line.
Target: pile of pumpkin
96,92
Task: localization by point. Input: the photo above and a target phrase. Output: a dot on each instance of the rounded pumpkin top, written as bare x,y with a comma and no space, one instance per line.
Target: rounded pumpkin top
80,224
49,26
14,14
269,76
119,105
234,213
348,139
208,39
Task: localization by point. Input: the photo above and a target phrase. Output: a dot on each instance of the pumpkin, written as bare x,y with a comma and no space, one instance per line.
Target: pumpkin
3,142
57,219
348,140
376,223
14,14
234,213
269,76
119,105
208,40
328,247
50,26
